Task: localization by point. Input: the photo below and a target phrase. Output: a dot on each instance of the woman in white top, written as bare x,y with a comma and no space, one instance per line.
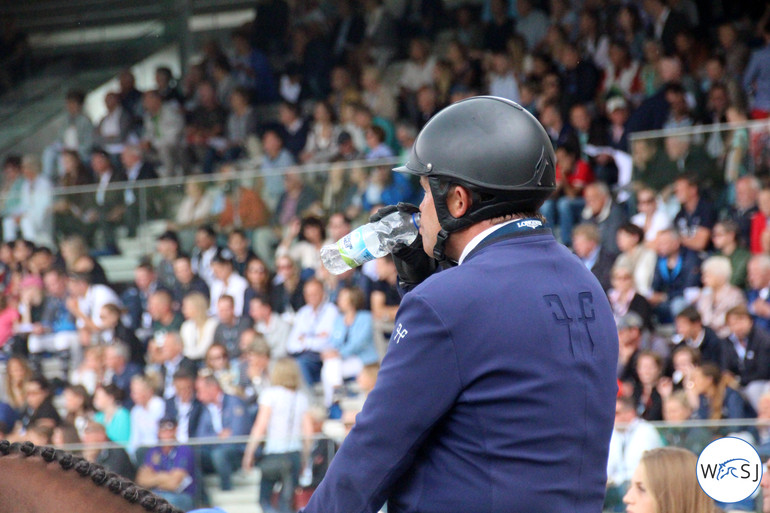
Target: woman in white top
650,218
321,143
198,329
286,426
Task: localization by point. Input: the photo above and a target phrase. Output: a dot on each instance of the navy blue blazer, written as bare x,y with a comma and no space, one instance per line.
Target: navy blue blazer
235,416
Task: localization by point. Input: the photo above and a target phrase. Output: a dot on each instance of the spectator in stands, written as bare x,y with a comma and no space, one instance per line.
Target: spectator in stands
677,271
650,218
218,363
243,207
74,252
293,128
130,96
566,204
758,277
717,296
649,369
187,281
622,75
226,281
321,144
602,211
164,318
679,115
163,132
17,373
113,331
260,283
297,199
223,82
680,365
11,186
501,77
378,96
183,406
239,244
111,414
666,23
617,128
270,325
56,330
223,416
254,370
553,122
375,140
206,124
167,248
196,209
759,222
756,80
135,298
77,406
137,169
625,298
586,243
531,22
275,160
717,398
113,129
33,219
77,134
91,370
311,329
580,77
284,423
169,471
197,330
631,437
117,360
725,238
108,209
747,354
654,110
114,459
251,68
166,85
203,253
695,335
172,359
38,405
230,327
148,409
384,297
241,124
68,209
351,343
635,256
85,303
303,241
677,409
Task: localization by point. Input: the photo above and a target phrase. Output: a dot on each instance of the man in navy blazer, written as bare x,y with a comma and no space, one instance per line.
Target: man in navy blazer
223,416
183,406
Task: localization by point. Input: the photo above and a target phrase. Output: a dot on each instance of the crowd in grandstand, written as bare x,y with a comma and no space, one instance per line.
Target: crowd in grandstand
233,320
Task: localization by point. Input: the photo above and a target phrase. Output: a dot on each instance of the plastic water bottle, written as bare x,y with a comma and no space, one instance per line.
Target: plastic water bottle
370,241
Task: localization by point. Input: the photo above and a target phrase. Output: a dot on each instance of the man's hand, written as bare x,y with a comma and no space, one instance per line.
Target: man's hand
412,263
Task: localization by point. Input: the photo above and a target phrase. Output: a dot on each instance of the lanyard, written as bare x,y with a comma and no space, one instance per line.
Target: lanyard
669,276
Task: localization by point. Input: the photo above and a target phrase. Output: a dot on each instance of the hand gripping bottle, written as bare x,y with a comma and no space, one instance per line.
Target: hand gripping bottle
370,241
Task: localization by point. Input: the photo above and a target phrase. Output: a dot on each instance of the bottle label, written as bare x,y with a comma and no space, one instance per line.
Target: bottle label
353,250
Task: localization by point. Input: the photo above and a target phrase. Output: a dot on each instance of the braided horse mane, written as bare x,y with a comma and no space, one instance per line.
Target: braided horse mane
44,480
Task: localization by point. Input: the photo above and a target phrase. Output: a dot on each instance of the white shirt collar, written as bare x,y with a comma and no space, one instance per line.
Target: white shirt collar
475,241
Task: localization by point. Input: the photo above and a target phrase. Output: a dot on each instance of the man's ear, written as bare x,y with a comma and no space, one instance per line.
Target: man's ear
458,201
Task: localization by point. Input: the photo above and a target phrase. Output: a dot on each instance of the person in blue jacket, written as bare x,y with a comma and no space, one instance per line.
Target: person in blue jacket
497,392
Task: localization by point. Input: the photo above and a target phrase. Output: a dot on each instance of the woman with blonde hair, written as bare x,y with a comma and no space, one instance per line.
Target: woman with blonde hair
718,295
197,331
287,428
665,482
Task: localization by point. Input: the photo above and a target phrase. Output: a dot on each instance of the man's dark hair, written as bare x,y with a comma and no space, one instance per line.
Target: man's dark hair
41,381
13,161
76,95
691,179
209,230
634,230
691,314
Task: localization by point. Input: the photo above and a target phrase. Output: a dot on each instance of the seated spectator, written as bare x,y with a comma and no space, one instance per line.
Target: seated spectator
243,207
636,257
164,318
195,209
260,283
217,362
111,414
138,169
163,132
168,249
677,408
697,216
311,329
135,298
33,219
241,124
289,297
226,282
187,282
204,252
17,373
747,353
631,437
56,330
285,425
113,129
205,124
759,222
91,370
566,203
385,298
375,140
223,416
275,161
238,243
76,134
269,325
148,409
167,469
681,364
198,329
130,96
114,459
321,144
38,405
386,187
624,297
677,270
120,368
255,370
171,359
726,242
758,277
183,406
68,209
74,251
228,331
114,331
718,399
649,403
692,333
77,405
351,343
586,242
602,211
65,434
166,85
717,295
745,206
85,303
303,242
298,199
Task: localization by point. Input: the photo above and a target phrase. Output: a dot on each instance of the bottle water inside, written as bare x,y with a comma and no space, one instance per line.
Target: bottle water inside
370,241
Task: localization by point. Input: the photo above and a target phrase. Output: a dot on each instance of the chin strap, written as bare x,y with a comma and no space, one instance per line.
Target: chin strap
438,248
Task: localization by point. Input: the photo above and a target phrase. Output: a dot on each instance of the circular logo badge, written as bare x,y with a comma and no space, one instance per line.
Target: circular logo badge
729,470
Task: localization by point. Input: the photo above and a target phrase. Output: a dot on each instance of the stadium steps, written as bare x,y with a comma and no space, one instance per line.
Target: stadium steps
120,268
243,498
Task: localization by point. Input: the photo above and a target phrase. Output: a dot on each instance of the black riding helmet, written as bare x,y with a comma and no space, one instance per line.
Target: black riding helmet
494,148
